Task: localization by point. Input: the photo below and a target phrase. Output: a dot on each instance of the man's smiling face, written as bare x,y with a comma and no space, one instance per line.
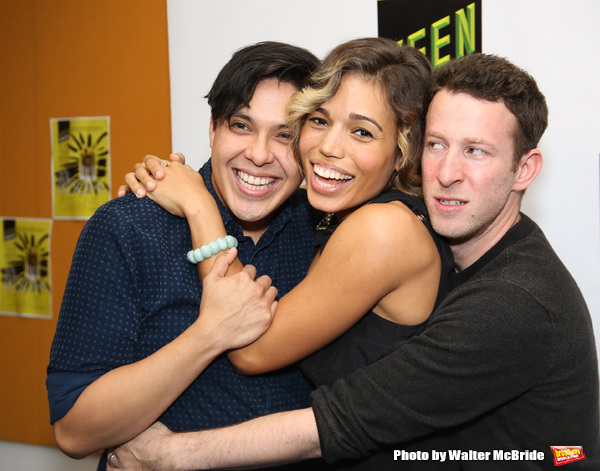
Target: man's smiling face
254,170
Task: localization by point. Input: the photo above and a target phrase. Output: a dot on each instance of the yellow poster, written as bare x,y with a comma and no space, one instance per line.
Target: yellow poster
80,166
25,264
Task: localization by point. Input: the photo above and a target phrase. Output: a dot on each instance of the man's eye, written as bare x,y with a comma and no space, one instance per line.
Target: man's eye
476,151
240,126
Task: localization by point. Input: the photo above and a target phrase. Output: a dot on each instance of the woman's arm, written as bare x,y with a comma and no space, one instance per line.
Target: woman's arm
125,401
380,258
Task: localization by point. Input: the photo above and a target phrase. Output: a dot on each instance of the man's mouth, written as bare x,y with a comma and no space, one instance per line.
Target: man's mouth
451,202
328,177
254,183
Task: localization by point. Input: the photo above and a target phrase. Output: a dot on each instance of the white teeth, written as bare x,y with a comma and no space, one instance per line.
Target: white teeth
330,174
451,202
254,183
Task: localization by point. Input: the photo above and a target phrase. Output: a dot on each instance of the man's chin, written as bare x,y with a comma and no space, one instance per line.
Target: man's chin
255,219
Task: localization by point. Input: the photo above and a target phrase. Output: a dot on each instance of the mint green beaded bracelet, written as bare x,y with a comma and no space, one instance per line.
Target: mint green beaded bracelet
212,248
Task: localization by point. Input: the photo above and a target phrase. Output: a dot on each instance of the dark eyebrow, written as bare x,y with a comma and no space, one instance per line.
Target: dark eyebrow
353,116
360,117
240,115
247,118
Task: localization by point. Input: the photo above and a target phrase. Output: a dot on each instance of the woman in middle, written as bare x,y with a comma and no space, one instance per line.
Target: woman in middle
379,271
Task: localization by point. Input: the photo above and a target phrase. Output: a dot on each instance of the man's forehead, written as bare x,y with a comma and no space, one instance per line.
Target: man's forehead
267,105
449,109
444,95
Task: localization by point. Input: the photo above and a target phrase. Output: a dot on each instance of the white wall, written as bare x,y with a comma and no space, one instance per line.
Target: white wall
556,42
22,457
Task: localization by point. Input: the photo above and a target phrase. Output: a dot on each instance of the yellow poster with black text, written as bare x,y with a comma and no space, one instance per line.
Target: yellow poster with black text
80,166
25,264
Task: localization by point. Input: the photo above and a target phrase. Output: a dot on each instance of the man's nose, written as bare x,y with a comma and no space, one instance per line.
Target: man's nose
259,152
450,170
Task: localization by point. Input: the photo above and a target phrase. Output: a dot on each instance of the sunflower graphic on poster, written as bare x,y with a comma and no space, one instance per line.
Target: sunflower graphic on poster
25,265
80,166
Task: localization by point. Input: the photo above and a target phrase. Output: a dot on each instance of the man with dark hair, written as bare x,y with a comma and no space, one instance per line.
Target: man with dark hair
130,344
236,82
507,364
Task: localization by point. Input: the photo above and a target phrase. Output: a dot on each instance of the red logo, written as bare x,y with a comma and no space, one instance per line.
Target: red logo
567,454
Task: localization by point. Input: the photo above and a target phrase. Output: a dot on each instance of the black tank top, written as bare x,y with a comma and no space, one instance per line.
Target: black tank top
372,337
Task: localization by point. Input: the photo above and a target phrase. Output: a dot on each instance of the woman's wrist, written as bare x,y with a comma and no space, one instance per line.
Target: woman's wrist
201,205
206,224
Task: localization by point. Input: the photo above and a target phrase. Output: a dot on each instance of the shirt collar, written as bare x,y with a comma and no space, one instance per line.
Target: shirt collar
513,235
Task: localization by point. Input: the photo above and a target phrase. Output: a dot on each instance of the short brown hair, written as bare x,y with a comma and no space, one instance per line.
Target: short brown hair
492,78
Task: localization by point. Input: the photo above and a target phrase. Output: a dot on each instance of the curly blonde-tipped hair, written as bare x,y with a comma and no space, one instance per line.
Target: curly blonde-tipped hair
404,75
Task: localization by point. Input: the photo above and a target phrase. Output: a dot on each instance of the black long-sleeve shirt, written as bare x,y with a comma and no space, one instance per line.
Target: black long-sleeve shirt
506,364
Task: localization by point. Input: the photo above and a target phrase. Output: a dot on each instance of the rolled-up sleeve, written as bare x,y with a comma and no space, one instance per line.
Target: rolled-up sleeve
97,326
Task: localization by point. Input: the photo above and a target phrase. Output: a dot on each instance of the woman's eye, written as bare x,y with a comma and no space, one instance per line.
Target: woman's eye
363,133
318,121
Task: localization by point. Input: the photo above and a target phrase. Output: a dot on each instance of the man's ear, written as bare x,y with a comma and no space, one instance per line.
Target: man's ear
528,168
211,132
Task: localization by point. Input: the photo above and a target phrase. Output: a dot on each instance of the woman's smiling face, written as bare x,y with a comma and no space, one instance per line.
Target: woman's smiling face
348,147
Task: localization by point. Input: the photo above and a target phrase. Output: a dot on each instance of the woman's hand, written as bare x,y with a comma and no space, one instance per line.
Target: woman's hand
145,175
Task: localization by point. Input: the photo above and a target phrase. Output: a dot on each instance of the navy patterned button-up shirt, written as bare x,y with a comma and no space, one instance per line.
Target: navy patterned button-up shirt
131,290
